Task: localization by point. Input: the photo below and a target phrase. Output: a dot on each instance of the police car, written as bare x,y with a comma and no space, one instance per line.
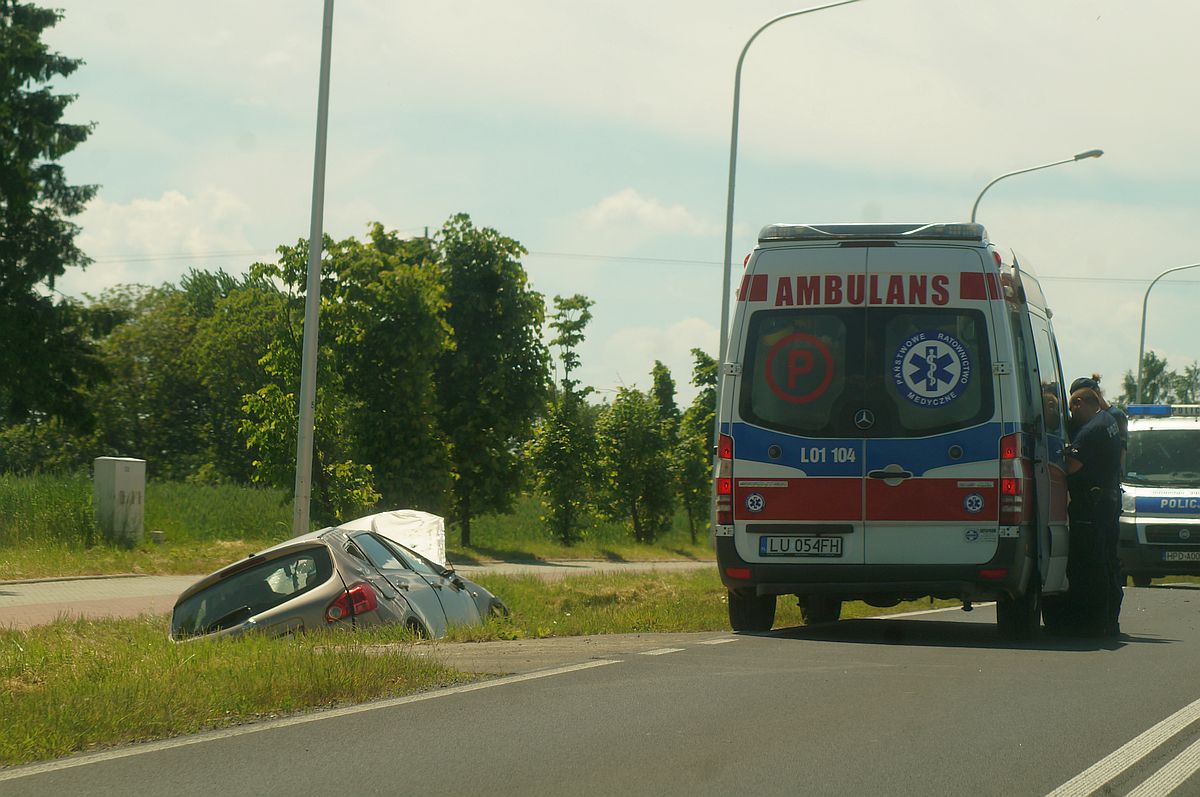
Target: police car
1160,503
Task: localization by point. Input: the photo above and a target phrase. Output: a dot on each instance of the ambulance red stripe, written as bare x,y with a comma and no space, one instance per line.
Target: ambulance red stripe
812,498
929,499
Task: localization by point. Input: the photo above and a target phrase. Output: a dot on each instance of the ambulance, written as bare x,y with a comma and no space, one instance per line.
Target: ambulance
1160,493
891,421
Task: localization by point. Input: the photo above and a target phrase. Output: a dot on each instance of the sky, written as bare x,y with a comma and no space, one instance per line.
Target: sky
598,135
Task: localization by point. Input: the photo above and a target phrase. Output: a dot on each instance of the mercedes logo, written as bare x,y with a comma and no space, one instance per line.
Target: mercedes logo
1184,534
864,419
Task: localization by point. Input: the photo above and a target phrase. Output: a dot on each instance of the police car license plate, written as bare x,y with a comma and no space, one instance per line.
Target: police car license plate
800,546
1181,556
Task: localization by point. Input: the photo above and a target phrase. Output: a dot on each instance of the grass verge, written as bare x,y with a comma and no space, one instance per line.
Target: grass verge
75,685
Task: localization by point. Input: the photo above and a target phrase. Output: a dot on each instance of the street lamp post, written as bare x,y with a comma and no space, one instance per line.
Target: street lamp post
312,297
733,142
1091,153
1142,342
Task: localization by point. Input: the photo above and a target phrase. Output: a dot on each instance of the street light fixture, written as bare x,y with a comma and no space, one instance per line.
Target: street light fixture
733,142
1142,342
1091,153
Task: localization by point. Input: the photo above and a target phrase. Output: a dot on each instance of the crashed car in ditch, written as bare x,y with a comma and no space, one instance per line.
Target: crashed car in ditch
347,576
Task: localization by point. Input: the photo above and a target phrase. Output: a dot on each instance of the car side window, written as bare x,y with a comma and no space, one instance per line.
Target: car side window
413,559
379,554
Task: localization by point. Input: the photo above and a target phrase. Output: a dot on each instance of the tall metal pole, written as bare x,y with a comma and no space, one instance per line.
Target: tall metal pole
1091,153
312,297
728,262
1142,342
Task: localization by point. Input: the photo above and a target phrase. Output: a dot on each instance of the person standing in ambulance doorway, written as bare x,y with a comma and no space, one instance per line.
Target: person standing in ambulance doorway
1093,481
1112,541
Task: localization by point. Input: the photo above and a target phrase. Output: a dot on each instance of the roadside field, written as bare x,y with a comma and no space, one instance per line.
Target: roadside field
80,684
47,530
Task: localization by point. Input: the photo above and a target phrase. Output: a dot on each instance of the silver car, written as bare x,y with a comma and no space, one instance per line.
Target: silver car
333,578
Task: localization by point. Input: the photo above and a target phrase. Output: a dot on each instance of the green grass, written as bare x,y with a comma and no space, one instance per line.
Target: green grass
47,529
76,685
622,603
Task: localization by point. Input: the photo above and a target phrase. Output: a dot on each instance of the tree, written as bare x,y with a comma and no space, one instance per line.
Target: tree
664,398
634,464
48,358
563,447
1159,383
493,383
693,452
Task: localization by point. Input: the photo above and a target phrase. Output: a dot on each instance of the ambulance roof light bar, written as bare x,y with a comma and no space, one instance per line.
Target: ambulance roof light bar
877,232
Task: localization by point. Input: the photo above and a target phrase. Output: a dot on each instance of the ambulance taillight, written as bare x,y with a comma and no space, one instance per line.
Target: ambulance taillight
1016,480
724,478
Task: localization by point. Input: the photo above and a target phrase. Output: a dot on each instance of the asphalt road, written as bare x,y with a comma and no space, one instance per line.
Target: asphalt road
932,704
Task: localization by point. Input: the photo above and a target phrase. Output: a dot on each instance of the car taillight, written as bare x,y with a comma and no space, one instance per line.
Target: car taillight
1016,480
358,599
724,479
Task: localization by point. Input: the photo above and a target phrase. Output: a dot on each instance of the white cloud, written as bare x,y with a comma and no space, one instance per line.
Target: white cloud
157,240
629,211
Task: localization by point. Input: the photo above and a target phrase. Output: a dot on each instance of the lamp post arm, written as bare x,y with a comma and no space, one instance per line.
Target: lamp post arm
1142,340
1010,174
733,147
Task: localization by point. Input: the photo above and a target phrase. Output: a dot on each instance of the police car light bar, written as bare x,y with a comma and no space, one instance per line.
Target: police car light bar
1149,410
885,232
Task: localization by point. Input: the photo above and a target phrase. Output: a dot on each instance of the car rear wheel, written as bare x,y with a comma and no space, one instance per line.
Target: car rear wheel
498,609
418,630
1020,618
1141,581
751,613
816,609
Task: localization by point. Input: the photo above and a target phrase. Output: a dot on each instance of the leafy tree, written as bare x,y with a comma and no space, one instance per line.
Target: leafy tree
563,448
237,321
663,391
154,408
341,487
384,317
693,452
634,464
1158,382
48,358
493,383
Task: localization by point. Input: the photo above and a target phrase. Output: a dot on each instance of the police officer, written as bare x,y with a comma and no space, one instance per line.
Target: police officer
1093,481
1116,585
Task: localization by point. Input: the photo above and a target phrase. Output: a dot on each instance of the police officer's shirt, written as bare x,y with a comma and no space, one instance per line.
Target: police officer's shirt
1122,425
1097,447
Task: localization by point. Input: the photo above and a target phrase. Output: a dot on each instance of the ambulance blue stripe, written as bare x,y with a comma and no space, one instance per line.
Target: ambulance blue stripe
922,454
917,454
1168,504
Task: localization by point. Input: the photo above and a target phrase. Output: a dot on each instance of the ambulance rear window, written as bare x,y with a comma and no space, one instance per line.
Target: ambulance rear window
915,371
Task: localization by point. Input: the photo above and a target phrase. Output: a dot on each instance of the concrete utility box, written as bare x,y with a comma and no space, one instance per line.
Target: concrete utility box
118,493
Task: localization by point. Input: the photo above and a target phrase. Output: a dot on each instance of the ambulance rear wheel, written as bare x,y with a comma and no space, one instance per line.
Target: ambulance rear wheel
751,613
1020,618
820,609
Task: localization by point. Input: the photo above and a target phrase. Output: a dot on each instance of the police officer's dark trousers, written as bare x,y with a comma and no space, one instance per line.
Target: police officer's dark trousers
1088,568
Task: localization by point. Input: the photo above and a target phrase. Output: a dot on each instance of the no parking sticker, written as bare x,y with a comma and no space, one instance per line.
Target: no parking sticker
931,369
799,368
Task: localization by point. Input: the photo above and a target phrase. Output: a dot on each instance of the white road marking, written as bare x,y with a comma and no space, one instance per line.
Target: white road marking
185,741
1128,754
1172,775
717,641
660,651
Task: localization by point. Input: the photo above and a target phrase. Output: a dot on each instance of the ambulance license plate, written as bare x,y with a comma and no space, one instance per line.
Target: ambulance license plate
1181,556
800,546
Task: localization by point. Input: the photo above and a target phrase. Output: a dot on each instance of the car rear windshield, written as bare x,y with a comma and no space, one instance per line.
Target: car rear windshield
1164,457
246,593
919,371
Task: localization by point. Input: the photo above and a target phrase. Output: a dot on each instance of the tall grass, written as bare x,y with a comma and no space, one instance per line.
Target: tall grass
46,510
77,684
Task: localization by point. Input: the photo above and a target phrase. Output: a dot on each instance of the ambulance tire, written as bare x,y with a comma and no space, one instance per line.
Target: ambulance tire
815,609
1020,618
751,613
